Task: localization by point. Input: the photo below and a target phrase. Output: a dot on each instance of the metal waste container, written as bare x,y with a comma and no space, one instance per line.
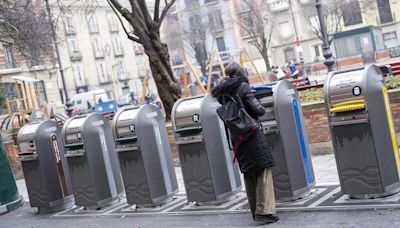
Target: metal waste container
209,174
145,156
362,132
92,160
45,169
10,199
284,129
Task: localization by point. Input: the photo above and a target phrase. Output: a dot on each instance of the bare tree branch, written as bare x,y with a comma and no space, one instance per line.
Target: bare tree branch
156,10
164,11
129,35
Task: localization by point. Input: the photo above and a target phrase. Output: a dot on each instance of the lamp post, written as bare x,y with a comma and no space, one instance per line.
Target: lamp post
326,50
67,101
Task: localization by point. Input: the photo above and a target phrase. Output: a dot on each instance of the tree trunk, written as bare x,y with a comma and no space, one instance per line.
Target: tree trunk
266,59
168,87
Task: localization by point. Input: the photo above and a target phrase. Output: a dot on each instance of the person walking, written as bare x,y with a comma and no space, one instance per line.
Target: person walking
293,70
254,154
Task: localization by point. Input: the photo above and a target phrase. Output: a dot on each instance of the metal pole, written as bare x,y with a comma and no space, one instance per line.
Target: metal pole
53,34
326,50
299,48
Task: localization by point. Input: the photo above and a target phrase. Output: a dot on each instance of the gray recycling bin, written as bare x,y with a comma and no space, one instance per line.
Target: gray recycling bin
45,170
283,126
362,132
145,156
92,160
209,174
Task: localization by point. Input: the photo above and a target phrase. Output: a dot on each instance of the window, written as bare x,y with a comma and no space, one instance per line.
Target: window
317,52
102,72
117,46
285,30
390,39
92,22
121,70
97,48
215,20
221,44
112,22
289,54
126,90
8,57
177,59
74,51
189,2
352,13
195,21
78,75
346,47
385,13
69,25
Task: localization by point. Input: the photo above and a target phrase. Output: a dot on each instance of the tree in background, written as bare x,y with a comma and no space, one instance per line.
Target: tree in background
146,31
194,33
334,12
255,22
23,24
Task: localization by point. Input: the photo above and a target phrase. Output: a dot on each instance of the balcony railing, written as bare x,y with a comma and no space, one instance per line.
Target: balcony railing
278,5
124,76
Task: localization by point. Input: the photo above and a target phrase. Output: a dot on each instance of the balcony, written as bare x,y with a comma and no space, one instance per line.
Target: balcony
125,76
76,56
278,5
306,2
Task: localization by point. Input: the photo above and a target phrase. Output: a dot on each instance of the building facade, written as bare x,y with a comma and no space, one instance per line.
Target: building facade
95,51
298,17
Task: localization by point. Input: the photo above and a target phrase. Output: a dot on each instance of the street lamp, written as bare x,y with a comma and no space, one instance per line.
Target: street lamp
68,103
326,51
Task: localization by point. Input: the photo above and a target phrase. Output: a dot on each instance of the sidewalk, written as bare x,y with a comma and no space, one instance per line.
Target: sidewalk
324,170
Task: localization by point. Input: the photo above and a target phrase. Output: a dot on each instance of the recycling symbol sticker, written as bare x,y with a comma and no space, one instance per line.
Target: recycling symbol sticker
196,118
132,128
357,91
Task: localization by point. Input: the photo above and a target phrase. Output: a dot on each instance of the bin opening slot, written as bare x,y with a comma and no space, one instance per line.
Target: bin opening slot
126,140
189,130
75,146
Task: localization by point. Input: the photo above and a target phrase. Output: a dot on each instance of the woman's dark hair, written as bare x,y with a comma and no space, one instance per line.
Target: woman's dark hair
234,70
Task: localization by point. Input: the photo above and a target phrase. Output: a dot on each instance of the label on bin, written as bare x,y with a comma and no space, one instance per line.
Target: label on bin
132,128
51,129
151,115
196,118
357,91
98,123
55,148
289,92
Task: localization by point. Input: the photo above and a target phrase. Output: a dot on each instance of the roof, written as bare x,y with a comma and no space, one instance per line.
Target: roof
25,79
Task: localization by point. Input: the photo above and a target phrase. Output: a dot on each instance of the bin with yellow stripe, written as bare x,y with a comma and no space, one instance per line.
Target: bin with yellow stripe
362,132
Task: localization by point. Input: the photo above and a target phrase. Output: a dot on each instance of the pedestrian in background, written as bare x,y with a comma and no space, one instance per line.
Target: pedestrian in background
254,154
293,70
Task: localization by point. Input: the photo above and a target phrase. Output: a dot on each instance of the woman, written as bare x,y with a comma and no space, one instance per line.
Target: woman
254,155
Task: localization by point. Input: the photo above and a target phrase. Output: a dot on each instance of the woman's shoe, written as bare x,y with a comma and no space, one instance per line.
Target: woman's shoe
266,219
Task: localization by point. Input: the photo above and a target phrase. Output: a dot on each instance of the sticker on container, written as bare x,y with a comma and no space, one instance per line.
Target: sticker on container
132,128
51,129
196,118
151,115
55,148
79,135
98,123
357,91
289,92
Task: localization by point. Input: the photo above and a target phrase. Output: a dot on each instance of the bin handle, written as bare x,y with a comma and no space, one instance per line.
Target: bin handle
74,155
189,141
135,148
348,122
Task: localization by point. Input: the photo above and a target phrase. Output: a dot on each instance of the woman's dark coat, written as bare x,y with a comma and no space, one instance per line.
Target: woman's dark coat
253,154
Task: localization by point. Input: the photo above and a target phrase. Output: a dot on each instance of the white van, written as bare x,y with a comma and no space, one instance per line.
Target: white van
85,102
